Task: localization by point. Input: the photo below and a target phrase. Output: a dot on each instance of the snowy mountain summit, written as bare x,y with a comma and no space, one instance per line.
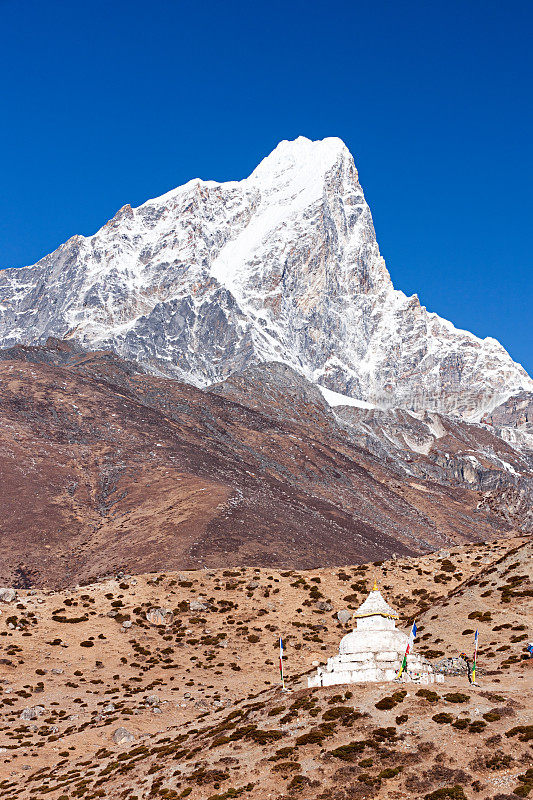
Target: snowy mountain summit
284,265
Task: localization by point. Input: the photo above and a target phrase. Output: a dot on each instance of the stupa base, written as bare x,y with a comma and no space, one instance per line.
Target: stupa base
323,678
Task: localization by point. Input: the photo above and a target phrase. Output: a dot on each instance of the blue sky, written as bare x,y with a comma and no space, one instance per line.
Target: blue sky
107,103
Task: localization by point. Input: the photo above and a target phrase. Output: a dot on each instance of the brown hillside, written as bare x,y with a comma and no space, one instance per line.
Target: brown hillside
104,468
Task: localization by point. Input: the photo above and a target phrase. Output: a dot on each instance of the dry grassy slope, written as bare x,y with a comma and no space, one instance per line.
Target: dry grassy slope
212,675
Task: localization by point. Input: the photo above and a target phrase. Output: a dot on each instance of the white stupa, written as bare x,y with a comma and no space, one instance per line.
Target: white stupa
374,650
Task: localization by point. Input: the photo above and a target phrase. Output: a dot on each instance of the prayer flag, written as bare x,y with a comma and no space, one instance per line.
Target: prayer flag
281,661
475,659
407,650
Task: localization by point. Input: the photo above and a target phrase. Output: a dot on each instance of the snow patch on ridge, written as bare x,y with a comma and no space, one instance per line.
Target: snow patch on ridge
336,399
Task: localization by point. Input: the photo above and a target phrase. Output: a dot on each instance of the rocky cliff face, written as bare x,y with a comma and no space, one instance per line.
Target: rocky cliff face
215,277
427,446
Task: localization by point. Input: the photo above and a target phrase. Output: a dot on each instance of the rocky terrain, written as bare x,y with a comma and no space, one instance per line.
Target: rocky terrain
105,467
165,685
212,278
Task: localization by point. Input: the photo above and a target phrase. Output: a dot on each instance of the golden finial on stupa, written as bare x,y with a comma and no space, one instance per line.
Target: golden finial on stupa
375,586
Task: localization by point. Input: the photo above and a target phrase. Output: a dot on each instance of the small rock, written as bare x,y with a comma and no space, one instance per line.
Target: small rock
151,699
127,624
108,709
156,710
123,736
344,616
57,671
7,595
197,605
32,712
323,605
252,585
159,616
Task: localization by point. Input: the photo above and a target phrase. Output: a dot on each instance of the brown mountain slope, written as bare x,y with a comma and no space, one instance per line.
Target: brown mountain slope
201,695
103,468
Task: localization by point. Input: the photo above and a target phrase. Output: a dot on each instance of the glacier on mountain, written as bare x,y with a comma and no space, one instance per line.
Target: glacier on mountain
283,266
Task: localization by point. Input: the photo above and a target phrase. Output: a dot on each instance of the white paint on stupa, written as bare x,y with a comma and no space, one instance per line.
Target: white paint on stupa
374,651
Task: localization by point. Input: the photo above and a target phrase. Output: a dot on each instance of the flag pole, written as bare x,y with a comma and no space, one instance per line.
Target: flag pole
475,658
281,663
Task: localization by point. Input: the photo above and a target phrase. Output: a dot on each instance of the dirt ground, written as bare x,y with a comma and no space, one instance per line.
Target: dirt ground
200,697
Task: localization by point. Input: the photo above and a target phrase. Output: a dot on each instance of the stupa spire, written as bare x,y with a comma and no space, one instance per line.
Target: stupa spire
375,605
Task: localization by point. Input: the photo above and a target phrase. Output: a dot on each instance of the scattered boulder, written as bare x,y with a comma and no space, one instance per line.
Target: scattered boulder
7,595
344,616
151,700
127,624
160,616
252,585
323,605
32,712
123,736
108,709
198,605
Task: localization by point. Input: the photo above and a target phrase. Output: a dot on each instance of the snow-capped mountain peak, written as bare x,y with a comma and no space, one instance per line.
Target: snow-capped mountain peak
283,265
